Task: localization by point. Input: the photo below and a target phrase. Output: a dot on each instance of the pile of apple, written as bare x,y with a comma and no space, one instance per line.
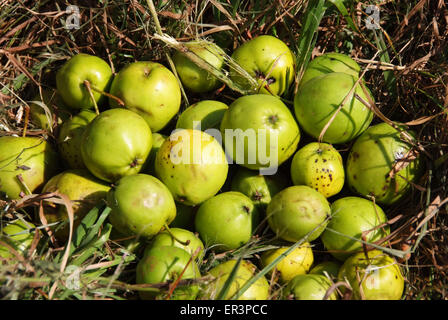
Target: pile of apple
182,211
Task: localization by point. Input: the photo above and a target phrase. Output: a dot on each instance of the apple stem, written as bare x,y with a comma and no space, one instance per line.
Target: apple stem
185,243
119,101
89,89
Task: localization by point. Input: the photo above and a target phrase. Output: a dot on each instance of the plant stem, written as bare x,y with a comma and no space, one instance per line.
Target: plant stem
153,11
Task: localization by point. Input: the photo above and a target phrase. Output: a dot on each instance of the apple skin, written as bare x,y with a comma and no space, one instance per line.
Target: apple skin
318,99
319,166
149,89
372,157
352,216
259,290
191,183
259,188
157,141
308,287
329,267
296,211
296,262
141,205
52,99
330,62
208,112
71,76
260,112
167,263
70,138
265,56
17,234
193,77
31,157
383,282
81,187
226,221
115,144
166,238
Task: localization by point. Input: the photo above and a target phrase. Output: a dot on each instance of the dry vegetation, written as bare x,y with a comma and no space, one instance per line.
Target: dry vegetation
407,62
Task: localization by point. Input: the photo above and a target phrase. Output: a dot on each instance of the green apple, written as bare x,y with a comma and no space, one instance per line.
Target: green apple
296,262
269,61
329,267
157,141
19,235
296,211
259,290
167,263
115,144
70,138
373,157
226,221
141,205
33,158
330,62
47,110
193,165
193,77
259,188
376,276
149,89
319,166
180,238
207,114
259,131
308,287
71,76
351,216
316,102
82,188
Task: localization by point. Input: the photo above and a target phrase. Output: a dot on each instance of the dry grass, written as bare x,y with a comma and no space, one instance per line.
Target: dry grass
409,83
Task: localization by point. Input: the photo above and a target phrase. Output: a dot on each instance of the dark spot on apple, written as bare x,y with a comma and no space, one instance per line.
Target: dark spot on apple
315,161
355,155
324,160
331,177
270,81
354,177
246,208
257,196
134,163
273,119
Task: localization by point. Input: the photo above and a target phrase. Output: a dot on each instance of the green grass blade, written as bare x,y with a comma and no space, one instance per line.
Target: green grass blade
225,289
389,77
308,34
339,4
